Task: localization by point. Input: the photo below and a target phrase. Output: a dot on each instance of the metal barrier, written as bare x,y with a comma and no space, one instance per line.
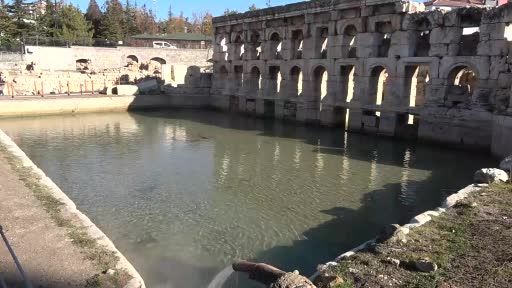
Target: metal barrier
26,281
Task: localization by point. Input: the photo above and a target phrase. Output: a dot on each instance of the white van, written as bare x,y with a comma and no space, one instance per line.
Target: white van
163,44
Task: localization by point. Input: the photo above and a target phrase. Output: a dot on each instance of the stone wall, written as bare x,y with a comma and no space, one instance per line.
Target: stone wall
382,66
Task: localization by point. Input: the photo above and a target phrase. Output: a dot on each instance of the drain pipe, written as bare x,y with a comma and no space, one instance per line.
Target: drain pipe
16,261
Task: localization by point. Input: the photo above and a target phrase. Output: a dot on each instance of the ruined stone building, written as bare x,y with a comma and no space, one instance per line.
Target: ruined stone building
378,66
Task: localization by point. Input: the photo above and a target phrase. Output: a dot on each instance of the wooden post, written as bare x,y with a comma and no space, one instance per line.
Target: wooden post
42,89
85,86
81,89
35,87
68,87
60,87
92,86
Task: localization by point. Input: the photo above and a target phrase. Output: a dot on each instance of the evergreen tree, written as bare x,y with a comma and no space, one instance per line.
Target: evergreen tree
112,21
17,10
7,28
72,26
130,27
93,15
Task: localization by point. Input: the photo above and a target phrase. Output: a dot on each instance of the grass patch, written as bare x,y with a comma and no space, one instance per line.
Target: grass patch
99,255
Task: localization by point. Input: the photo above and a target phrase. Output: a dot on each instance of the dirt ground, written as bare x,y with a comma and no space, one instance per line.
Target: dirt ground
44,249
471,245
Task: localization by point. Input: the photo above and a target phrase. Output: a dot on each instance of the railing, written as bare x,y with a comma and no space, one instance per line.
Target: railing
26,281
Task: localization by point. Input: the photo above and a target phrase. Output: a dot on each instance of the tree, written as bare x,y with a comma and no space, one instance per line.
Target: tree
7,28
253,7
130,14
21,18
176,24
228,12
93,15
112,21
72,25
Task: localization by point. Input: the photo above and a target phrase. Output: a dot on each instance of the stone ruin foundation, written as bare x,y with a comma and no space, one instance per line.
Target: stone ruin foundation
381,66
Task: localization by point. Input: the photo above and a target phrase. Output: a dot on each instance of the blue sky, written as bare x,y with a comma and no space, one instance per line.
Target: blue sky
216,7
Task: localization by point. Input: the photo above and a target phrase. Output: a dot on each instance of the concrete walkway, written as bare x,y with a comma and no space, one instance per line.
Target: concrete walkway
45,251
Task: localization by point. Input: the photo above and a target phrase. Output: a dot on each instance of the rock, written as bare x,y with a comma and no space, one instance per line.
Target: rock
506,164
392,261
148,86
127,90
490,175
387,232
327,281
425,265
292,280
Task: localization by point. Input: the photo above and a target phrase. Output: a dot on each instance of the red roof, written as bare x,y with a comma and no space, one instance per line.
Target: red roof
455,3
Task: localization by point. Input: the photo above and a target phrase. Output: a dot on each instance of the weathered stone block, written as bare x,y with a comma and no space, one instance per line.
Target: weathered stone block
445,35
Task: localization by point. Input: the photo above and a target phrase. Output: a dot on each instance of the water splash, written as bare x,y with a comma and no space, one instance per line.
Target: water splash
219,279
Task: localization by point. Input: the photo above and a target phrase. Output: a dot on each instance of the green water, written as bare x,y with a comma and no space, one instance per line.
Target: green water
183,193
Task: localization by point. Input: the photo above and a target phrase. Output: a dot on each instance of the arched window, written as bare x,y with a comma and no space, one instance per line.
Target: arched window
350,42
320,76
275,46
462,81
295,87
297,41
347,82
239,48
378,80
254,82
132,59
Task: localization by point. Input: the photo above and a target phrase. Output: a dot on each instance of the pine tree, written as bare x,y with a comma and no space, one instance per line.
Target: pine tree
73,26
7,28
130,27
112,21
93,15
17,10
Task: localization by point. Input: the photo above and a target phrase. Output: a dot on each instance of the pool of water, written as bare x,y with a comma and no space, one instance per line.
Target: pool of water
184,193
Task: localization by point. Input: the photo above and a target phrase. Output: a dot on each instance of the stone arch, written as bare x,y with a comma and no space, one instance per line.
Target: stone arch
349,45
254,81
159,60
378,79
323,41
295,79
275,43
297,43
320,76
82,64
461,83
238,47
132,59
347,78
254,45
222,43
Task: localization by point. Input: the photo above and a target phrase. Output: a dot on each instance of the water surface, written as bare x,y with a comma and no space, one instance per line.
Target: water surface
183,193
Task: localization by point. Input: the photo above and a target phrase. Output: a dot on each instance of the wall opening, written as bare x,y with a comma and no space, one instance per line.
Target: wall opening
416,81
422,44
295,87
469,41
347,82
297,41
131,59
238,77
349,46
254,82
324,41
238,48
377,87
254,46
222,76
386,30
157,64
274,85
224,48
275,46
82,64
320,78
462,82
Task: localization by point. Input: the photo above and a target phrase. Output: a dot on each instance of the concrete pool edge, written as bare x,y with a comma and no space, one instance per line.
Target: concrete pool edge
70,208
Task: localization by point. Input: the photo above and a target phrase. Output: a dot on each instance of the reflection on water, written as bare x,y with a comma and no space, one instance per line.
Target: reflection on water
184,193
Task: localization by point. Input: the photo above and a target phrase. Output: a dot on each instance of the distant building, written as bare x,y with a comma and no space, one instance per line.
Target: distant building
452,4
178,40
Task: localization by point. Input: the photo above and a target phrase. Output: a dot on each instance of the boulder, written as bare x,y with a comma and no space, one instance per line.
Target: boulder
327,281
127,90
490,175
292,280
506,164
150,85
425,265
392,233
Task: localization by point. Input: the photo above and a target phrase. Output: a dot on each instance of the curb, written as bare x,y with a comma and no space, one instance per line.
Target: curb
70,207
